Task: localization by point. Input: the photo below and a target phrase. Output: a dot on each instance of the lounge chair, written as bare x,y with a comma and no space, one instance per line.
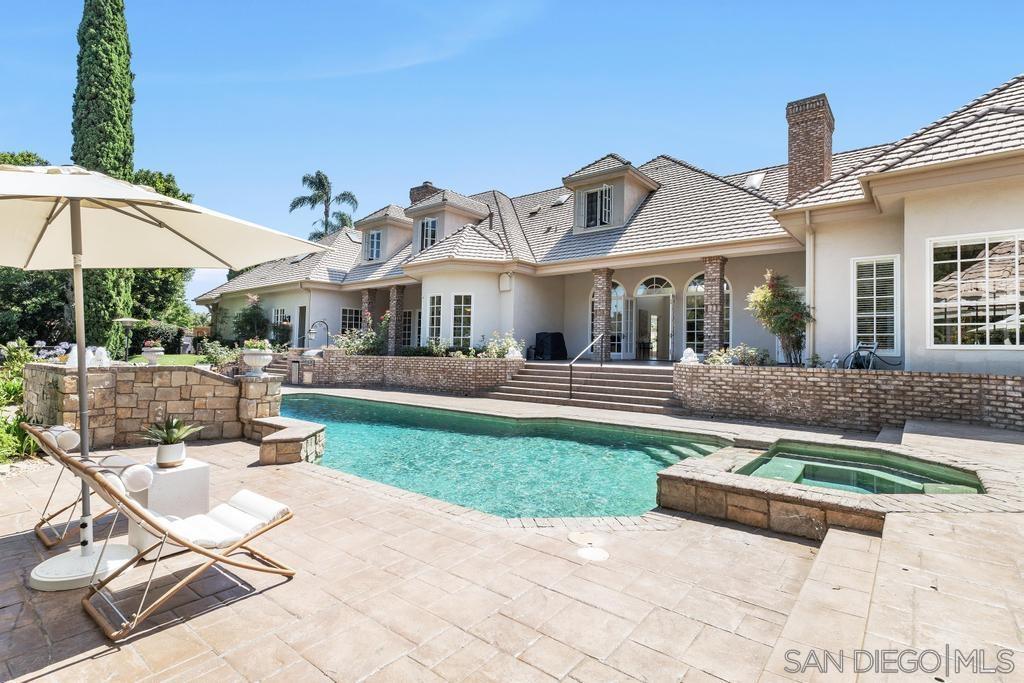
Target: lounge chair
227,529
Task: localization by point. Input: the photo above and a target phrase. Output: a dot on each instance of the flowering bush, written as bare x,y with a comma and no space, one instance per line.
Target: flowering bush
500,345
368,340
737,355
257,345
217,355
778,306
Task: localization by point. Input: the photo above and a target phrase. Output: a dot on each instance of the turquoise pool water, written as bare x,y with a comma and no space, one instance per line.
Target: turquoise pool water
505,467
858,470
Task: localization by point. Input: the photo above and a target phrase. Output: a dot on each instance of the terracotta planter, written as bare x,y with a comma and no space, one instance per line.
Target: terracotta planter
170,454
152,354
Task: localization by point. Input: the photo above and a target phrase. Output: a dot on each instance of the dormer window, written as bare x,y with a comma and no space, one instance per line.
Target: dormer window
428,233
597,205
372,247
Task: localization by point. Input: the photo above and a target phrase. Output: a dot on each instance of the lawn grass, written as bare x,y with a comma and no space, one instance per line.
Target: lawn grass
170,359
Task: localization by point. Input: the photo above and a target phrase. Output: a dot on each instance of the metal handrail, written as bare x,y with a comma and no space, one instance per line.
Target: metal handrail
579,355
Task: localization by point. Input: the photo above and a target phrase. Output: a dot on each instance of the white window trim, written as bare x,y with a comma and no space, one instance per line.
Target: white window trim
278,315
897,302
419,232
472,320
341,318
414,332
930,273
732,307
369,255
581,201
425,332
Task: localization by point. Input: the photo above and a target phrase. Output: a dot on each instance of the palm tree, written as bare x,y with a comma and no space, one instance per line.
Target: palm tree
339,220
321,194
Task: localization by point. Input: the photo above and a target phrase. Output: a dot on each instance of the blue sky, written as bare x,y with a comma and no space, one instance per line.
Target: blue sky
238,100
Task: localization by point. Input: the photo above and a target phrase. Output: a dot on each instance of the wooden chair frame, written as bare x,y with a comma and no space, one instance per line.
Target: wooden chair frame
123,504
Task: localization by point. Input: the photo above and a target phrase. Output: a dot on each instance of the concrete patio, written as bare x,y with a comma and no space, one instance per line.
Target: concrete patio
392,586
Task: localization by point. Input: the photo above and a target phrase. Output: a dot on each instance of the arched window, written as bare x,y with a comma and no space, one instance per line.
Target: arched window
654,285
695,314
615,334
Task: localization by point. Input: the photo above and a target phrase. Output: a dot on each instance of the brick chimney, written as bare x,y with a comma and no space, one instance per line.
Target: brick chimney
810,143
421,192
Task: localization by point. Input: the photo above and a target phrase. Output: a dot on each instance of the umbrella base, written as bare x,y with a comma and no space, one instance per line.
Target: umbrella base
73,570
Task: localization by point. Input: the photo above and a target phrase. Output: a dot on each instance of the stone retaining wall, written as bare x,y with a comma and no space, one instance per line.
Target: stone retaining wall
127,399
463,376
849,399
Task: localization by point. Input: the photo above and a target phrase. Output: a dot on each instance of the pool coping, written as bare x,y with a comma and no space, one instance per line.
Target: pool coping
799,509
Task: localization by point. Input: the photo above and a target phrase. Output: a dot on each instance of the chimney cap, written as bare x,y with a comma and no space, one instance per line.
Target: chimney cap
814,103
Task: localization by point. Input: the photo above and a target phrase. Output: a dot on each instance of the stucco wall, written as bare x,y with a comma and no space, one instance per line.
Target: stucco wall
321,304
537,305
973,209
492,310
743,274
836,245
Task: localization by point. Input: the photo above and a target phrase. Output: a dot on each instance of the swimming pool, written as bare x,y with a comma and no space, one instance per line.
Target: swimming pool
858,470
505,467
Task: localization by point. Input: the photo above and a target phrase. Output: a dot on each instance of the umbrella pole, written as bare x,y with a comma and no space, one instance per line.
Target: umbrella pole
85,526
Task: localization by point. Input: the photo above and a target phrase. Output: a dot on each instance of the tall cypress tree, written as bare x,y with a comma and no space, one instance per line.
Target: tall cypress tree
104,141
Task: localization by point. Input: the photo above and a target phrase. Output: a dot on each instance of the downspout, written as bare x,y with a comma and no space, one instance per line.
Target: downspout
309,315
809,263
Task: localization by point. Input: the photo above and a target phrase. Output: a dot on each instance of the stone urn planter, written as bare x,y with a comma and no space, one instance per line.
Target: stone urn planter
152,354
256,360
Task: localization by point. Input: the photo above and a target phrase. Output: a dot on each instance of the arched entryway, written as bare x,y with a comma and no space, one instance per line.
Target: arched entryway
655,299
695,314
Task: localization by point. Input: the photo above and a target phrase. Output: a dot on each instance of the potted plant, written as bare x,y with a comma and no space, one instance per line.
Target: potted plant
257,354
152,351
170,437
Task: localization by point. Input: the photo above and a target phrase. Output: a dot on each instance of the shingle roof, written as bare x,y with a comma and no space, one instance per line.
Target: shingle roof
325,266
775,185
450,197
504,218
379,270
474,242
970,131
605,163
692,207
389,211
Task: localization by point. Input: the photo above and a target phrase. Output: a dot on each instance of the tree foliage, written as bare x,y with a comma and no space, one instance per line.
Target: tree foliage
102,107
159,293
23,158
251,322
103,141
778,306
322,195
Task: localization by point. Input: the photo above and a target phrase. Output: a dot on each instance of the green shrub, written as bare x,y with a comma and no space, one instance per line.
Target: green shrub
499,345
778,306
168,335
740,354
15,442
16,355
251,321
368,340
216,354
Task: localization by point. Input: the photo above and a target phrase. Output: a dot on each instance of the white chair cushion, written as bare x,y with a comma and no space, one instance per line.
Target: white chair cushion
258,506
235,519
205,532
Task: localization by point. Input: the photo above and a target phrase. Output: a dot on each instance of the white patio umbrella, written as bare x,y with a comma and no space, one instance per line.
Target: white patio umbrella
68,218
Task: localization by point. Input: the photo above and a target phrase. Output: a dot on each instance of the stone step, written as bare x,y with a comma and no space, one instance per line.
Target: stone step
610,367
585,376
593,386
831,611
587,394
582,403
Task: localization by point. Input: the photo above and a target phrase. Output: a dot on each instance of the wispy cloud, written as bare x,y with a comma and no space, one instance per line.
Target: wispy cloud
430,36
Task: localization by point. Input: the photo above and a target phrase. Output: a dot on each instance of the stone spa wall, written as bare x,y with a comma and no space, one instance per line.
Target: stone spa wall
464,376
126,400
849,399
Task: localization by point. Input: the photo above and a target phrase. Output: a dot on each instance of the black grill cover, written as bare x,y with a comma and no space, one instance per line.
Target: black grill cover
550,346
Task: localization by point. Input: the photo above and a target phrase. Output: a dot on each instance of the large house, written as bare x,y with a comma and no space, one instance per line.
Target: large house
916,245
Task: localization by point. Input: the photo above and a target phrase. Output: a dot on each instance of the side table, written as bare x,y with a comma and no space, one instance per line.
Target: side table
180,491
